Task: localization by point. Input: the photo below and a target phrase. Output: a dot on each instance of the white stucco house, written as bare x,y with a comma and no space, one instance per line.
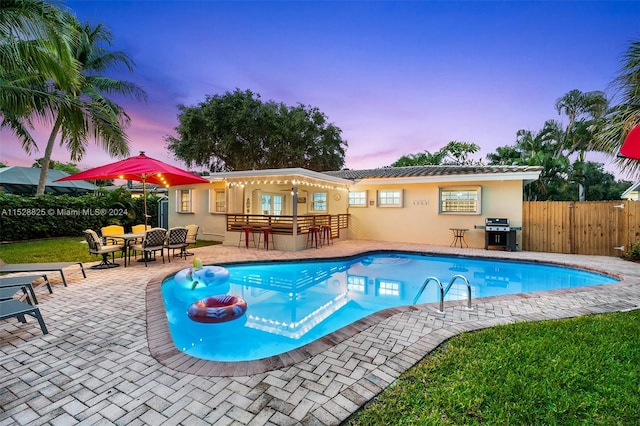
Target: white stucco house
418,204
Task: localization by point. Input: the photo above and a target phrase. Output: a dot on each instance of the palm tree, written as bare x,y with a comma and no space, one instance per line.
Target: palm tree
90,114
36,41
585,111
626,115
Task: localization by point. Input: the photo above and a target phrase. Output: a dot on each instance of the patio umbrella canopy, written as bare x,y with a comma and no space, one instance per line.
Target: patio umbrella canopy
140,168
631,146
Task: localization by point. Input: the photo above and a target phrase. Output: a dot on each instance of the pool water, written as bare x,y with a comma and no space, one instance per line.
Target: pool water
291,304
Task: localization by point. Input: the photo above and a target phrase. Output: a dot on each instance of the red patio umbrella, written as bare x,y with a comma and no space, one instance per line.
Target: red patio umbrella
631,146
142,169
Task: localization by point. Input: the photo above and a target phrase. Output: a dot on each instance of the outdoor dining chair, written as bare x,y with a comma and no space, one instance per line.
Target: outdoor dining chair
109,230
177,240
96,247
152,243
192,235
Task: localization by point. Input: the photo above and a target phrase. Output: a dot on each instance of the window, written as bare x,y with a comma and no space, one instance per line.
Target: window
357,284
390,198
184,201
460,200
319,201
271,204
217,201
389,288
358,199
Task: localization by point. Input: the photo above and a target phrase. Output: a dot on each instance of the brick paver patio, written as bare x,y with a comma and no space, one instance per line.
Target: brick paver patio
108,358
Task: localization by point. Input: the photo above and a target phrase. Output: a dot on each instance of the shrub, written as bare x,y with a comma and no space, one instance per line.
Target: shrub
634,252
46,216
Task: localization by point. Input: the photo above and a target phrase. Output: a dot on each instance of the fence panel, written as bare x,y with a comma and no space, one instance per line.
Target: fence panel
589,227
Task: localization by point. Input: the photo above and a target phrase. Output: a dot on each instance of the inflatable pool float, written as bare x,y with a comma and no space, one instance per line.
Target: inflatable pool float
201,275
221,308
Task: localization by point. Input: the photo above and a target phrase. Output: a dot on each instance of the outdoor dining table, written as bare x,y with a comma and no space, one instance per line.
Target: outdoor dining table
128,238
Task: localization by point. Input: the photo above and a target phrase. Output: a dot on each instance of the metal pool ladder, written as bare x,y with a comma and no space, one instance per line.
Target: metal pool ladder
444,291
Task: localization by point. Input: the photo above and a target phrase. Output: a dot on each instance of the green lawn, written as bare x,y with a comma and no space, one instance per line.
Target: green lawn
67,249
578,371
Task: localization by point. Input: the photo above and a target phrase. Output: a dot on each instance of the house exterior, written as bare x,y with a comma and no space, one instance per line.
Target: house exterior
632,193
418,204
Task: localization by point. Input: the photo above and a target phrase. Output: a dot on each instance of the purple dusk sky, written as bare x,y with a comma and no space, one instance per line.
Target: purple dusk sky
397,77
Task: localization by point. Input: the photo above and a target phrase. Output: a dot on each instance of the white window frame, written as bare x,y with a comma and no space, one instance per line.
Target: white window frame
184,206
358,199
391,288
217,205
357,283
460,200
384,198
275,200
315,201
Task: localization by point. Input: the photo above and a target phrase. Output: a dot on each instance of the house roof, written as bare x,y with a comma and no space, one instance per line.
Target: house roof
24,181
290,174
633,188
411,174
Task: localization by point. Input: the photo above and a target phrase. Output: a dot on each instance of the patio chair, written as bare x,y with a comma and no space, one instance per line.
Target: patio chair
140,229
96,247
107,231
177,240
152,242
18,309
192,235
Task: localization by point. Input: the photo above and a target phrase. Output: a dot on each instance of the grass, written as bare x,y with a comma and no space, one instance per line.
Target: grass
66,249
584,370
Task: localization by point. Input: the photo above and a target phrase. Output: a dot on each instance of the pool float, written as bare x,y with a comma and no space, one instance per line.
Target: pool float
221,308
198,274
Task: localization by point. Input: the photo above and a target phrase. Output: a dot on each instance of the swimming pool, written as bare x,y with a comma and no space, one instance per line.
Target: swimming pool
291,304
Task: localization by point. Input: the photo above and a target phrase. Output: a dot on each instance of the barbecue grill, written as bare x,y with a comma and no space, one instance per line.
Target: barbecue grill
498,232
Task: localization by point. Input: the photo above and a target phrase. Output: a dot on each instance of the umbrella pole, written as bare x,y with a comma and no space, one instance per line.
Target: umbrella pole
144,194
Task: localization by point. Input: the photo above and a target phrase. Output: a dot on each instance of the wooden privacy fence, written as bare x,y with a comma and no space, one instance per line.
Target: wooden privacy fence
580,227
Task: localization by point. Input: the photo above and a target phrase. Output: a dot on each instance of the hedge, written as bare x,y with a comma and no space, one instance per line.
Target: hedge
47,216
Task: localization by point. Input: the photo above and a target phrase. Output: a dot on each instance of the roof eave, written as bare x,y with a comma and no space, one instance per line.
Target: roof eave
528,176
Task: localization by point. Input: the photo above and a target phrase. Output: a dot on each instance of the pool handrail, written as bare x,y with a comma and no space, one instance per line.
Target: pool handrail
424,285
466,281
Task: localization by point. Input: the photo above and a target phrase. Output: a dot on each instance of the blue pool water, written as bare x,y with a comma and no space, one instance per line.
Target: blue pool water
290,304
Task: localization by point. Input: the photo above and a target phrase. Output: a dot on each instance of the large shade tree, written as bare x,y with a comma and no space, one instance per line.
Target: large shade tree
238,131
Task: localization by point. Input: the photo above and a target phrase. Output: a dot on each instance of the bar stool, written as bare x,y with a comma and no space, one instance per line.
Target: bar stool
247,231
313,236
266,232
325,235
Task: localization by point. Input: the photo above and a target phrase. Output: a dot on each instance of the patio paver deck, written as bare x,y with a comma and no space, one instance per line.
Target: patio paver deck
104,362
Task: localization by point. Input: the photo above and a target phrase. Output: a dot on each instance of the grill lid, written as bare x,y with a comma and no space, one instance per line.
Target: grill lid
496,221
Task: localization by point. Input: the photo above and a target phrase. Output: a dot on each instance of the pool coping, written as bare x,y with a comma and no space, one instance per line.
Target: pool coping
164,351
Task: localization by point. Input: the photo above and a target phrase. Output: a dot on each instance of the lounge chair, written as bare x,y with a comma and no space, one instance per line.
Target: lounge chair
152,242
9,286
17,309
6,268
177,240
96,247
